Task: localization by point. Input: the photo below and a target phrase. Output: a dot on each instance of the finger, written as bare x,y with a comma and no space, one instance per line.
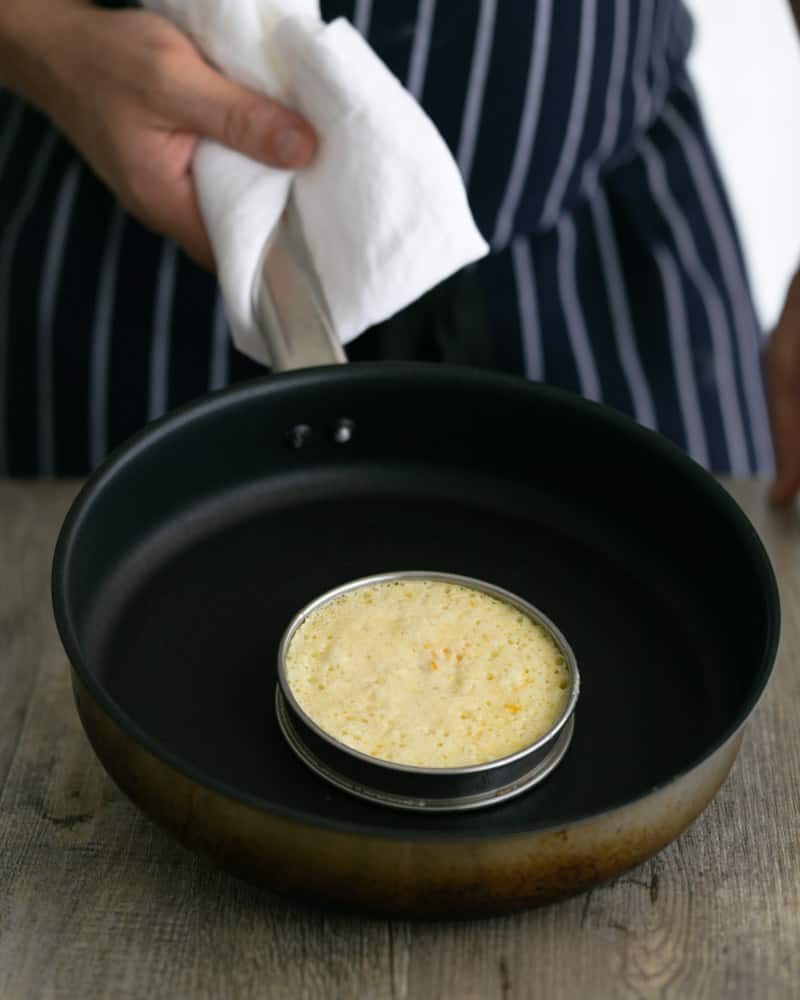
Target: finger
177,215
191,235
785,422
213,106
782,371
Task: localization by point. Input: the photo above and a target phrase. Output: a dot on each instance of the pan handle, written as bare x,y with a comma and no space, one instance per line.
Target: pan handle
289,304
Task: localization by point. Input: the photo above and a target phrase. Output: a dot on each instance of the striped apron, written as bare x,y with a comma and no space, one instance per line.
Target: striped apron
615,269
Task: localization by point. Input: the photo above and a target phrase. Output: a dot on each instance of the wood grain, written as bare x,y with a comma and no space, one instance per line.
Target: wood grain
28,530
95,902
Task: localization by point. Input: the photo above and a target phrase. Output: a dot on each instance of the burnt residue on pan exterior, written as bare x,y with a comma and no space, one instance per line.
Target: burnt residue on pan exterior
417,878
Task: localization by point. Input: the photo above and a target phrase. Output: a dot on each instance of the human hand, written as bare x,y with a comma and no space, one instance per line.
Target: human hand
134,95
782,372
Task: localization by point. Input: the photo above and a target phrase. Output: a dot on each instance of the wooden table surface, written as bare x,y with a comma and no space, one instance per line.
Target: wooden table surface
95,901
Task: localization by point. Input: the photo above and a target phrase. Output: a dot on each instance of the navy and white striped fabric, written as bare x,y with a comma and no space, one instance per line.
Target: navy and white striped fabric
616,270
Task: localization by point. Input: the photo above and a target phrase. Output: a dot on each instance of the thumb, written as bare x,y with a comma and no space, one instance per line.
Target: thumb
215,107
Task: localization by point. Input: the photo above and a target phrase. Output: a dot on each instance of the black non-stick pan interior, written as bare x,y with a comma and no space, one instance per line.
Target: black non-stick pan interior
186,557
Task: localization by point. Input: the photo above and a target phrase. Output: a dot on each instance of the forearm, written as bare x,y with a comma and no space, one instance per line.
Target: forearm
31,34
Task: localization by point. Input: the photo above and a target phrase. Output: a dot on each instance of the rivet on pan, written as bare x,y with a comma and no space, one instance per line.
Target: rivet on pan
343,431
299,435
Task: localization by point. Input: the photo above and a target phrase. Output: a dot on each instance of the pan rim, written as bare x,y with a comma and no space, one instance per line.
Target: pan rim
218,401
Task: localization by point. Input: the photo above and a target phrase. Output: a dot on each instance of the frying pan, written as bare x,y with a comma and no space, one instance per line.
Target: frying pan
185,556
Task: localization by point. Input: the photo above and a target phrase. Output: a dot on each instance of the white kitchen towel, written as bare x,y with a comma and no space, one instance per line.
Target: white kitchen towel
383,207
